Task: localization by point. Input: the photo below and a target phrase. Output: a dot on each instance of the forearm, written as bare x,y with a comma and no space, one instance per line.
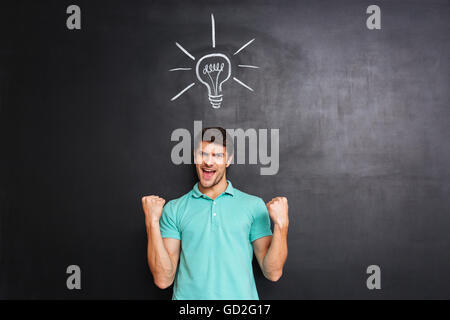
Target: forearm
159,260
276,254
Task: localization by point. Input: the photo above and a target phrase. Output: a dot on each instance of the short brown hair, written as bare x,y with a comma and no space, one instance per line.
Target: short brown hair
212,134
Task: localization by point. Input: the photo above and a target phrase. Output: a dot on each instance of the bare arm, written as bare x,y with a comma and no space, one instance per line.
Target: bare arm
271,251
162,254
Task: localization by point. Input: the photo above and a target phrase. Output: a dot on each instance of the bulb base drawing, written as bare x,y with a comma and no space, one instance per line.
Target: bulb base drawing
215,100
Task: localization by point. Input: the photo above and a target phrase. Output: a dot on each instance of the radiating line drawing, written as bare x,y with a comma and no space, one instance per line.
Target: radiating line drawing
185,51
242,48
180,69
242,84
213,70
183,91
247,66
213,31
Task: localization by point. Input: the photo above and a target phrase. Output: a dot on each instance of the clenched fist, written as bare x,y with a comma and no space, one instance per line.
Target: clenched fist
278,211
153,207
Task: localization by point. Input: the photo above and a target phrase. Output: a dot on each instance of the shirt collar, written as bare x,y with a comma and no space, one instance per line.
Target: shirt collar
196,193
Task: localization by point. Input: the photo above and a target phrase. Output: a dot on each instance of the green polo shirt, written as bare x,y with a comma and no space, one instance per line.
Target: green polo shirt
216,243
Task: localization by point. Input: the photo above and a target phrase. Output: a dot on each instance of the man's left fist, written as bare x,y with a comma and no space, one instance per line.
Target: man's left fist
278,211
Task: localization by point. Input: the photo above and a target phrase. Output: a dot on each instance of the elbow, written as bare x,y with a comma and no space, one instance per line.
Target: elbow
161,279
162,284
274,276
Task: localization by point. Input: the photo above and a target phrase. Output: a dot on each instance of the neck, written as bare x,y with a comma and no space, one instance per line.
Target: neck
216,190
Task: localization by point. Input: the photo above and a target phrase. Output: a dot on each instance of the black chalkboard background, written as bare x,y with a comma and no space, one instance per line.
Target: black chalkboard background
364,117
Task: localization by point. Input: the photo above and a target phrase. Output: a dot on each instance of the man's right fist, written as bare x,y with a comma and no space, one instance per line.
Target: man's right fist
153,207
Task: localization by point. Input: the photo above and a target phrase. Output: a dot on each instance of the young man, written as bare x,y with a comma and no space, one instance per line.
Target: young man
205,239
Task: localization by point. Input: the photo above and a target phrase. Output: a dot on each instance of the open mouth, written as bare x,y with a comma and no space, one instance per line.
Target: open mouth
208,173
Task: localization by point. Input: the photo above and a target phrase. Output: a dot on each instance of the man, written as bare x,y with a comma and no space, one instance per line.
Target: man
213,231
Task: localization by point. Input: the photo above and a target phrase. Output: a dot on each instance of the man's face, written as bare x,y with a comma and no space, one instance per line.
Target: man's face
211,163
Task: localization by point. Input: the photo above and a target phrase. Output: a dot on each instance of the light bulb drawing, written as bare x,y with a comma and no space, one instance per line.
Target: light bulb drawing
213,70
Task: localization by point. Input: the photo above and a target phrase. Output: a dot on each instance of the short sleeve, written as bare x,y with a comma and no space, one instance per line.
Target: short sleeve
168,224
261,222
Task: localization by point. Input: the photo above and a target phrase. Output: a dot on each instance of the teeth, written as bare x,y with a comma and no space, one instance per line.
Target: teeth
208,170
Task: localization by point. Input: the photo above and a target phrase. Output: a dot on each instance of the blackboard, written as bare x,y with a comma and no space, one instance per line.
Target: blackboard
363,117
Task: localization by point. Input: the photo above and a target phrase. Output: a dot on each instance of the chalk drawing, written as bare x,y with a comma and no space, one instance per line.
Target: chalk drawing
213,70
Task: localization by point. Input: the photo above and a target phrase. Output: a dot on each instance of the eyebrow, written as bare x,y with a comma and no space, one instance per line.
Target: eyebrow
215,153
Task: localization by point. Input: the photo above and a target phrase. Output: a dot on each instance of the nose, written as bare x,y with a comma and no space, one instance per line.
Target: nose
208,159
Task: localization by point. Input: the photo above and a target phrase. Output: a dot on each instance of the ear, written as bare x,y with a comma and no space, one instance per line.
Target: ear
229,161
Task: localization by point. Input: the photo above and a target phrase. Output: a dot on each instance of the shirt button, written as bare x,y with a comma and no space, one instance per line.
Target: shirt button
214,214
214,202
